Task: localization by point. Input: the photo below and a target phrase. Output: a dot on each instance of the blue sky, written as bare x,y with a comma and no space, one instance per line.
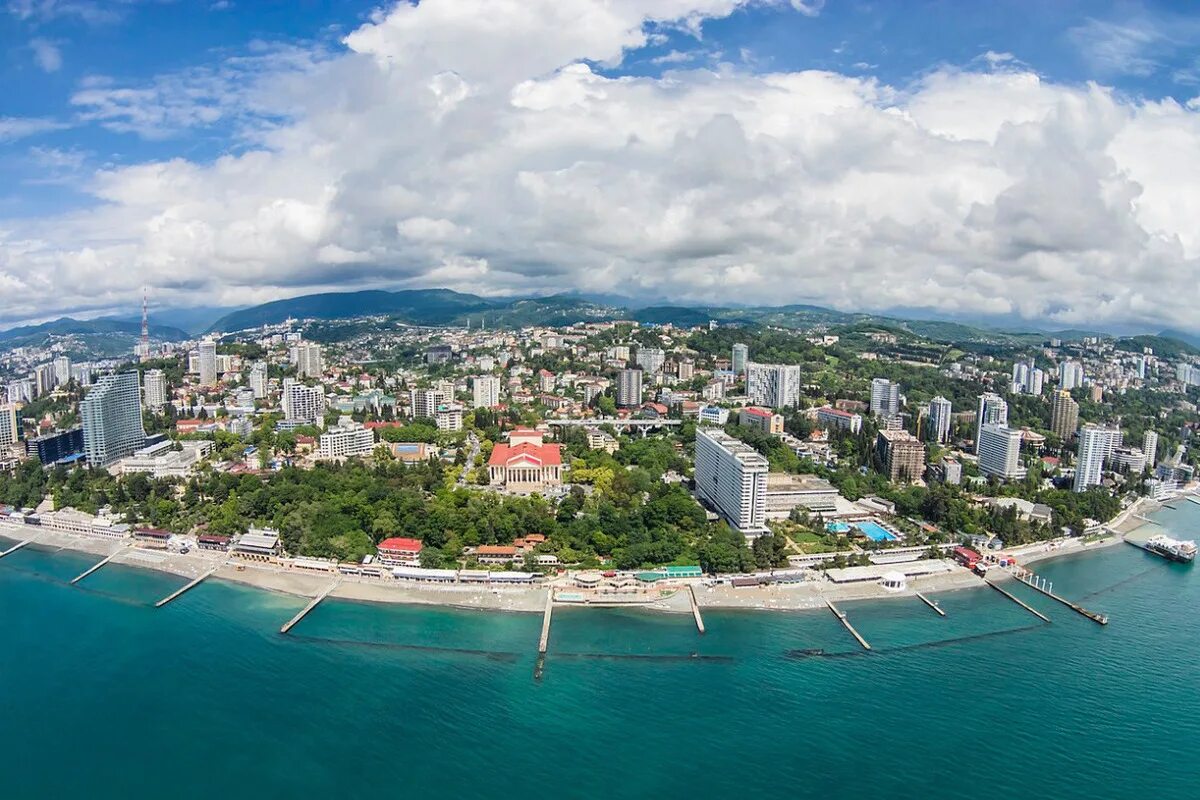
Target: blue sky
93,89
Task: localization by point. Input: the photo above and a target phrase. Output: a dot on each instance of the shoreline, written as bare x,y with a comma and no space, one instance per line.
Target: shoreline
789,597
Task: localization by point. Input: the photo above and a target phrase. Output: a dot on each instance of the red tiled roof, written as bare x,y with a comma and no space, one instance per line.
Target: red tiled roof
837,412
495,550
758,412
502,454
401,543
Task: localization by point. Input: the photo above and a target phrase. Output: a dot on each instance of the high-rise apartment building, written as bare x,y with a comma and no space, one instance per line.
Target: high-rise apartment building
993,410
10,424
1096,444
1070,375
423,403
938,429
651,358
1064,415
112,419
1000,452
45,380
154,389
629,388
1027,378
902,454
485,391
258,380
62,370
885,397
303,403
208,362
307,358
773,385
732,477
1150,447
741,358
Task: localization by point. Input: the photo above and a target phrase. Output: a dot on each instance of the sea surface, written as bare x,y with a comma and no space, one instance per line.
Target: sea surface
103,696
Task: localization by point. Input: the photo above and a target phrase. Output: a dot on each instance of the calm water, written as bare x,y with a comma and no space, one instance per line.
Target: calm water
103,696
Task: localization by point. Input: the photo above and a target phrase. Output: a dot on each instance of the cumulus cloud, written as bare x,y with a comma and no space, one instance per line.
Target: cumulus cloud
473,144
46,54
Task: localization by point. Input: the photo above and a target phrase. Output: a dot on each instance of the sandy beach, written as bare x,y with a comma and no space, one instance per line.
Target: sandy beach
810,594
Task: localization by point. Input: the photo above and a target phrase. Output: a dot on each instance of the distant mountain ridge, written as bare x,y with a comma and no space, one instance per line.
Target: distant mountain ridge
65,326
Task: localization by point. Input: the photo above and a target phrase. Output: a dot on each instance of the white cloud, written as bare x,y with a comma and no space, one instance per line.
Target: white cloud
13,128
46,54
467,144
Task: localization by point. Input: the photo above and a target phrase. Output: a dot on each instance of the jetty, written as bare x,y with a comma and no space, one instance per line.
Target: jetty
1100,619
15,547
696,609
97,565
544,639
841,615
184,588
1194,499
291,623
931,604
1017,600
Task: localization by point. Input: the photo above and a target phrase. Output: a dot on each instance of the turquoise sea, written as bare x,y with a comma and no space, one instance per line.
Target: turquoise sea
103,696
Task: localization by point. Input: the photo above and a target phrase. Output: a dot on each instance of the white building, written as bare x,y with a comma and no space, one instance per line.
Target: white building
629,388
258,380
732,477
651,358
712,415
885,397
1070,375
307,358
424,402
303,403
993,410
62,370
485,391
1096,444
741,358
112,419
1150,447
773,385
449,417
1027,378
208,362
829,418
939,419
154,389
1000,452
348,438
10,424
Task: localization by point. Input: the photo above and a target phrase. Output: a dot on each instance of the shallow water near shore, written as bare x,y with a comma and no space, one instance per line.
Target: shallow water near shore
101,695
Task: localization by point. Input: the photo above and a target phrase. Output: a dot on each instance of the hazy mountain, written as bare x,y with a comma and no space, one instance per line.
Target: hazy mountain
65,326
421,306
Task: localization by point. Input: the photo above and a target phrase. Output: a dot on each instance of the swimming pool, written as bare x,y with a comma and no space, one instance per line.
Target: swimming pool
837,527
875,532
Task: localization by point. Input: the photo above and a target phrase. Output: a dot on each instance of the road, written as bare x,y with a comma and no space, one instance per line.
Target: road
473,445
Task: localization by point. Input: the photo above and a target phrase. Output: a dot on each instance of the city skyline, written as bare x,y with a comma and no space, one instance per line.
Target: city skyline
1036,171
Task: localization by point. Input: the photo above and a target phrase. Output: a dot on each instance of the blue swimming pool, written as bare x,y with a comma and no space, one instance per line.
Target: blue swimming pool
875,532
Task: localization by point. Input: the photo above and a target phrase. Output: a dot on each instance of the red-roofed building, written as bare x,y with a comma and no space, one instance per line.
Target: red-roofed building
763,419
525,464
399,551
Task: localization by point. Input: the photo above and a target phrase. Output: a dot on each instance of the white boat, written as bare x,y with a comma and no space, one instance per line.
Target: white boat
1183,551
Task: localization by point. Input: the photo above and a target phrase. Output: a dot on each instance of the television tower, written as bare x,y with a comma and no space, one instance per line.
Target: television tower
144,345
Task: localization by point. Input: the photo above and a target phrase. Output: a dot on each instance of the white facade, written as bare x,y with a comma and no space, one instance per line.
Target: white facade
112,419
1096,444
939,419
1000,452
773,385
347,439
154,389
304,403
258,380
307,358
885,397
1150,447
629,388
62,370
741,358
424,402
1070,375
651,358
208,363
449,417
485,391
10,424
993,410
732,476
